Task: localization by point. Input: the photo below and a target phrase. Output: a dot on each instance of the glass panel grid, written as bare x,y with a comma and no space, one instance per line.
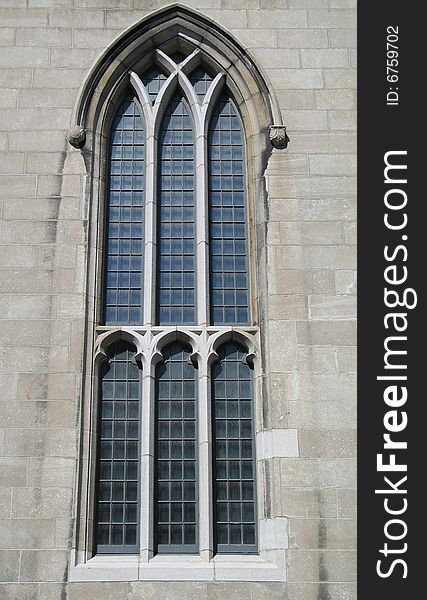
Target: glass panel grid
201,81
153,81
118,454
175,480
176,218
125,219
233,455
228,245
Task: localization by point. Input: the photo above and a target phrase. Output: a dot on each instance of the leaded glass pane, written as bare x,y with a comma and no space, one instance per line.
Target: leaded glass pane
176,439
176,218
118,453
201,81
233,452
125,219
153,81
228,245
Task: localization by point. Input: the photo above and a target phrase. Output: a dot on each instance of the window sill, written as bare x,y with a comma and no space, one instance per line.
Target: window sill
176,568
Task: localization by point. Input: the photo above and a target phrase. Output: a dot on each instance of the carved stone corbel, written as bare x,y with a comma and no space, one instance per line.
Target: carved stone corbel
278,136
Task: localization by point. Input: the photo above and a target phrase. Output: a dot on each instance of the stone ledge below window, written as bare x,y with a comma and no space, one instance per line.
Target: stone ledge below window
176,568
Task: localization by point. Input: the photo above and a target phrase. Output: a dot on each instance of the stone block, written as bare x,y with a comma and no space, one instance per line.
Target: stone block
342,38
13,472
32,209
325,415
346,282
39,305
76,18
307,3
287,307
73,57
27,232
330,534
17,185
94,38
311,472
315,591
315,257
335,99
347,503
19,591
237,590
299,79
310,503
334,565
43,565
332,19
282,343
332,58
256,38
350,233
41,503
40,443
340,78
317,359
45,38
304,281
323,307
319,142
236,4
9,565
7,37
41,97
51,472
26,533
347,359
24,57
23,119
285,57
306,120
327,444
302,38
297,99
342,119
278,19
326,164
5,502
235,19
14,17
308,233
58,78
8,98
101,590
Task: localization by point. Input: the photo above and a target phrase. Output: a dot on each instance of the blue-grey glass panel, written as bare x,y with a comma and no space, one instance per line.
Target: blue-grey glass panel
117,523
228,244
201,81
176,438
233,454
125,219
153,81
176,218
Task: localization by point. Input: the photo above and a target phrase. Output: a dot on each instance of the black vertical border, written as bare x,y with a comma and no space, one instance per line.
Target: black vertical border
381,129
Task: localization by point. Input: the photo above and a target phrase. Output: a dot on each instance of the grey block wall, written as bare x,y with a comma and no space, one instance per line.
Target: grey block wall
306,48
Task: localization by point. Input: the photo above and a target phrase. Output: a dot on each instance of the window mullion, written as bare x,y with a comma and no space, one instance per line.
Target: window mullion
150,231
205,463
147,463
202,230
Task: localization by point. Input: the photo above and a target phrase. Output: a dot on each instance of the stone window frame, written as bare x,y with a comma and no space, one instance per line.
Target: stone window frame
174,29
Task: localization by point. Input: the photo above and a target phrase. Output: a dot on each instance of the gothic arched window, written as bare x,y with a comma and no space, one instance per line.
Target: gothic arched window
176,285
